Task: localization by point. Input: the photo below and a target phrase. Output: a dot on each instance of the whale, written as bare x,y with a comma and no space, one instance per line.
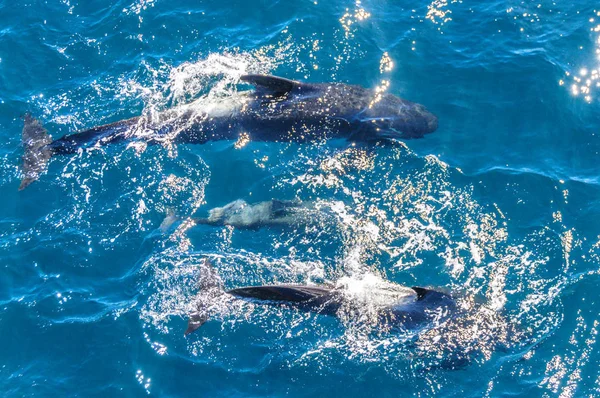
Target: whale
450,329
270,213
241,215
392,305
275,110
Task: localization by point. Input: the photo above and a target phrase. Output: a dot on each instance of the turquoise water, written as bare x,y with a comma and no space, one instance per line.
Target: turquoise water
501,203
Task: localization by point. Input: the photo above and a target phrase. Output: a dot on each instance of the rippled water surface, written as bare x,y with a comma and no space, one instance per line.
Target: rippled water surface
500,205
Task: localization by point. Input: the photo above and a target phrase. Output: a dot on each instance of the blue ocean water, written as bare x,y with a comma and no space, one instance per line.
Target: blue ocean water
501,203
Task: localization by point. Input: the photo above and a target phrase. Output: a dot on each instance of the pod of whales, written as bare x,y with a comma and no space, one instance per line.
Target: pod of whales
395,306
281,110
277,110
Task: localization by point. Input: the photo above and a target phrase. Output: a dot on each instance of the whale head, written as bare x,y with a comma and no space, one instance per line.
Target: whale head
390,117
428,307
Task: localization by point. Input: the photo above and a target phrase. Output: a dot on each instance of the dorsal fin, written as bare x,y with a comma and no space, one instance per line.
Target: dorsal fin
421,292
272,85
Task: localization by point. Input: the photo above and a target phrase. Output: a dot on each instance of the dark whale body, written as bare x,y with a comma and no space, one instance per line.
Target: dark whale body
395,305
278,110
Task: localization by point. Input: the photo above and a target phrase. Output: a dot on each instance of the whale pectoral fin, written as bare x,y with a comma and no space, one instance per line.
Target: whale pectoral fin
271,85
194,322
35,140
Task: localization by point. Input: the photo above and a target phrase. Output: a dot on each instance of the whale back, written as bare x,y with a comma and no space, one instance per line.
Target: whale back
346,110
319,299
429,306
374,293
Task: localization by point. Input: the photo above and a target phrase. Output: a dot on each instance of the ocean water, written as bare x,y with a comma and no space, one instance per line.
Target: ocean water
501,205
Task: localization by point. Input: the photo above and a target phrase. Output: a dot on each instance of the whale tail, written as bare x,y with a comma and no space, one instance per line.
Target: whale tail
171,218
35,140
204,221
210,286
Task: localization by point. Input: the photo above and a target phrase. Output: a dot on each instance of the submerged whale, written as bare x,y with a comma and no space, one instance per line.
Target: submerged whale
392,305
242,215
270,213
277,110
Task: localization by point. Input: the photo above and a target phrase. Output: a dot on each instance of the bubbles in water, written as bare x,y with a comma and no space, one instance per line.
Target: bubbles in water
439,11
139,6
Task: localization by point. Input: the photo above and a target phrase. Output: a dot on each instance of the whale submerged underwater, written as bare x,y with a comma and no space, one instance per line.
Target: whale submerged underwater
277,110
240,214
270,213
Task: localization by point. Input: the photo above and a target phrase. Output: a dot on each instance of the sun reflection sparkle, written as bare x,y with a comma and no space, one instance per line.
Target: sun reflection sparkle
242,141
351,17
379,91
438,12
386,64
587,80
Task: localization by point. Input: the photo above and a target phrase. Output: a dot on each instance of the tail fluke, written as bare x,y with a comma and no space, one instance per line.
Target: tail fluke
170,219
210,288
35,139
203,221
